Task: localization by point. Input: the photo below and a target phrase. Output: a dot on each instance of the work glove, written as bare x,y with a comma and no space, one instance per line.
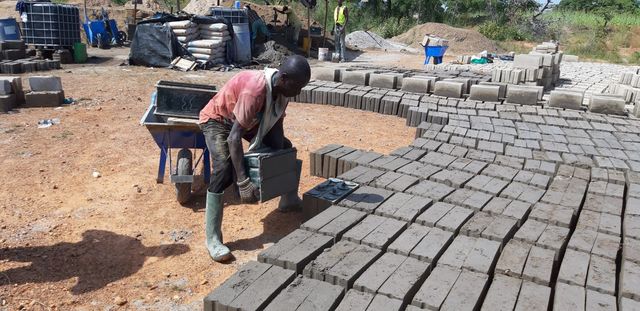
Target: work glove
249,193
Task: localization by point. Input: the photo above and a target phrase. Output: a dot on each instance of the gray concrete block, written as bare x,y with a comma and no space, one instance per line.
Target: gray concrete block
569,297
424,243
566,98
334,221
375,231
325,74
356,77
574,268
418,84
539,266
251,288
502,294
553,214
449,89
383,81
5,87
403,206
467,292
45,84
44,99
342,263
431,190
475,254
7,102
468,198
366,199
487,93
392,275
295,250
436,288
527,61
607,104
599,301
513,258
630,280
533,297
522,95
515,209
307,294
602,275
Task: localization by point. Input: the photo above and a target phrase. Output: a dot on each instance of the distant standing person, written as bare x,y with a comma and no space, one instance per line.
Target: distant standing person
257,25
341,19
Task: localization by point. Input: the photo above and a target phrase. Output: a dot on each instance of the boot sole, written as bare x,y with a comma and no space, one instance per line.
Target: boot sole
223,258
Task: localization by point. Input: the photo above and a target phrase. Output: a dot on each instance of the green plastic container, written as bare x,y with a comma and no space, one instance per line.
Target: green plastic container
79,52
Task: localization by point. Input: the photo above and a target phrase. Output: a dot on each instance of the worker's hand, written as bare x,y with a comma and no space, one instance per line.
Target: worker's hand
249,193
332,33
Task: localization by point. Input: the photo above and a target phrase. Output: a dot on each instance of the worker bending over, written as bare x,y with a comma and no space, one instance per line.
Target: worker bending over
341,19
292,22
251,106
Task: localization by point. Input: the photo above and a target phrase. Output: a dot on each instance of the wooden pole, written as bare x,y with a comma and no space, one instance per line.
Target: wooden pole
178,6
324,30
309,29
135,12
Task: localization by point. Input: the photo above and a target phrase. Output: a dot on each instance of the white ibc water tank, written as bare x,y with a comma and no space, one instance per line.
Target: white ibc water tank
242,41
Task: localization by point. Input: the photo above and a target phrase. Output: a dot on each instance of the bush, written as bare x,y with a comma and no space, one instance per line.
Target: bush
500,32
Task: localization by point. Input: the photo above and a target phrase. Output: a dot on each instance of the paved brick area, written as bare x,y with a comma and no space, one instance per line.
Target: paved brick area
494,206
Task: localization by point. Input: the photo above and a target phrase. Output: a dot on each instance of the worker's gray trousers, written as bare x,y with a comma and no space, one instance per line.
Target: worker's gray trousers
340,34
216,134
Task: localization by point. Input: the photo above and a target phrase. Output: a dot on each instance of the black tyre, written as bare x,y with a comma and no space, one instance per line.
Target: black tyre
184,167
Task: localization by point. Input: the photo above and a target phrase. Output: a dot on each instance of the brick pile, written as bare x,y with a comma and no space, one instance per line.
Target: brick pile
503,206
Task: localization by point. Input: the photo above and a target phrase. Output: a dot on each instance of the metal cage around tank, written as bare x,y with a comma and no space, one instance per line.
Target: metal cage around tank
50,25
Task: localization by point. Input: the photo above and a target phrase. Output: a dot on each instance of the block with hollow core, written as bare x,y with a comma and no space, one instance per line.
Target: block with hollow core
522,95
607,104
383,81
449,89
485,93
567,99
418,84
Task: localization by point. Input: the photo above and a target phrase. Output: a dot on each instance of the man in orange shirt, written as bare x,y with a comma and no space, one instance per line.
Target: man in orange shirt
251,106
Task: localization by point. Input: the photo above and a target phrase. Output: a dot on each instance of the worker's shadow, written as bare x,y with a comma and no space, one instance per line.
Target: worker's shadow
100,258
276,225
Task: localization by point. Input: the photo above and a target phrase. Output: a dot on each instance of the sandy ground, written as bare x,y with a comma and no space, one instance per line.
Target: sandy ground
70,241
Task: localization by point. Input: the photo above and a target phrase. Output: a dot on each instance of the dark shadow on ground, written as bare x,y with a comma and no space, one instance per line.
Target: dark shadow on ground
102,257
276,225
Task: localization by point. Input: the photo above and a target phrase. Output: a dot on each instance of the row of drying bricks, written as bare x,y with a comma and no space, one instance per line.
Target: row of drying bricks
479,89
410,286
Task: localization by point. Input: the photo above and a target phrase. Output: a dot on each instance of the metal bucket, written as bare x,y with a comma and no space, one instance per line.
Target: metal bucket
323,54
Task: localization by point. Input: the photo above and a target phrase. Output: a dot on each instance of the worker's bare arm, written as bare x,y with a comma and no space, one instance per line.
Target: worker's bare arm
235,150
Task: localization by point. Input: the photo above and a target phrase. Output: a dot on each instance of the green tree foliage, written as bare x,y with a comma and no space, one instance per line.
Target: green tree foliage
611,6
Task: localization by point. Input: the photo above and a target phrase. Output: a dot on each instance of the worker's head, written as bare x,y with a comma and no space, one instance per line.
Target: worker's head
339,2
294,73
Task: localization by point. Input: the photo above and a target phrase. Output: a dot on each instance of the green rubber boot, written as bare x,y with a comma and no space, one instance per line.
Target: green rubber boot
213,230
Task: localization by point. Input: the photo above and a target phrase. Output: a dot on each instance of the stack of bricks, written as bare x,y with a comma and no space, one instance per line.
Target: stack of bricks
14,59
538,68
11,93
507,206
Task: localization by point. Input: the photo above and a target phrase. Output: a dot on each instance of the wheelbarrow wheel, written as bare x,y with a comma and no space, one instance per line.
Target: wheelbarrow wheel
184,167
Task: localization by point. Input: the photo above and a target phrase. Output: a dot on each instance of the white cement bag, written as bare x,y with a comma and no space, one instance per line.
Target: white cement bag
214,27
181,24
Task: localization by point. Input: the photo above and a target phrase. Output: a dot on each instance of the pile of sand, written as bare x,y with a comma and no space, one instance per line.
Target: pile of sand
358,40
461,41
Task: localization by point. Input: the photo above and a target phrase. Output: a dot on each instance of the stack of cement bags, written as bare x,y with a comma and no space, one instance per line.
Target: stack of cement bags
213,51
214,32
186,31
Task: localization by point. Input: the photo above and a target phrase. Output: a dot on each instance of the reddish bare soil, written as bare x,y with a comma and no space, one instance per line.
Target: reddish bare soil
70,241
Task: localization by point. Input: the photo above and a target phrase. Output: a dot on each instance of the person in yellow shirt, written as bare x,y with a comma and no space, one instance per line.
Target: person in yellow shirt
341,19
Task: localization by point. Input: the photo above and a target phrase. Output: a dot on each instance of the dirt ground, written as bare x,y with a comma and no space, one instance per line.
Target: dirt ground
71,241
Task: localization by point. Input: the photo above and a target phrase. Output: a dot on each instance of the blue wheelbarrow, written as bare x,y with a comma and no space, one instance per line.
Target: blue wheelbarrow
437,52
171,118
